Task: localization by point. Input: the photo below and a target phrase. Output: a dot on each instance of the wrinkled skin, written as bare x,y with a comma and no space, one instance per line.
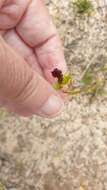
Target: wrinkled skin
26,27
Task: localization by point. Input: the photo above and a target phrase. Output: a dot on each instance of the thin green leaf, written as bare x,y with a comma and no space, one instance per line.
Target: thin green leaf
66,79
87,78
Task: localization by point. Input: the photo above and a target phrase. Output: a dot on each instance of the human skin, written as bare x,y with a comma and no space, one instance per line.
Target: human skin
30,49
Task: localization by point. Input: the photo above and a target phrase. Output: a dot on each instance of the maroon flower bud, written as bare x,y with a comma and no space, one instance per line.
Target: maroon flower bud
58,74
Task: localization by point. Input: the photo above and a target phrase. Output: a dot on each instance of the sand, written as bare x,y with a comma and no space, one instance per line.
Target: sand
70,151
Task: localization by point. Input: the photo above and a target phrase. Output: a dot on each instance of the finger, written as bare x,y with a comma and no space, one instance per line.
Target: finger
2,2
11,12
50,56
24,88
25,51
2,32
38,31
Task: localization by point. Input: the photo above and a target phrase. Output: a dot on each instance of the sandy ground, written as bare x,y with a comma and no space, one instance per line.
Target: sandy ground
69,152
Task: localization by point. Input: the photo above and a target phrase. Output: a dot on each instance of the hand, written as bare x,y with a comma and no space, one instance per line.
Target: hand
30,49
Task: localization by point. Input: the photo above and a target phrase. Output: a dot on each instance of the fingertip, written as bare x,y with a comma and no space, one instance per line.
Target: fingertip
50,56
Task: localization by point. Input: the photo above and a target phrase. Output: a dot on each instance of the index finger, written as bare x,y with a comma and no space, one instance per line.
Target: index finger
38,31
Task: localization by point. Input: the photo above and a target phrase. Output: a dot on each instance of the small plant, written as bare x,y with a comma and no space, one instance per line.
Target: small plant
92,82
83,6
62,80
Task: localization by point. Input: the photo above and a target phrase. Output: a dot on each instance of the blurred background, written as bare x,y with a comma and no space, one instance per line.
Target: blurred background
70,151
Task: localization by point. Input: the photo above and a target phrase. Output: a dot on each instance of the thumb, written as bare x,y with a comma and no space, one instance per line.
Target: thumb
24,91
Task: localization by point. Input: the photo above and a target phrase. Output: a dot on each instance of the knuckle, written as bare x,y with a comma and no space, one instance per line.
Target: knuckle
11,12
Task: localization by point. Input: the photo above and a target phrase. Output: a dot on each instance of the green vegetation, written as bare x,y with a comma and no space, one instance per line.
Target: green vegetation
92,82
83,6
66,81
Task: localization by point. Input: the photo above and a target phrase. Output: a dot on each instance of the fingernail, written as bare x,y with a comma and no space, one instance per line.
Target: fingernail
53,105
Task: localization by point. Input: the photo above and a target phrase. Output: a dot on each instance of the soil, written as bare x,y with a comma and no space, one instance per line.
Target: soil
70,151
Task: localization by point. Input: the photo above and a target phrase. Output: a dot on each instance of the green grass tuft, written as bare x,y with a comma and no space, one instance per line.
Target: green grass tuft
83,6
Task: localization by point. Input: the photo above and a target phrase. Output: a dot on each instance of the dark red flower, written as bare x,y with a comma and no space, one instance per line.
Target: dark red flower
57,74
